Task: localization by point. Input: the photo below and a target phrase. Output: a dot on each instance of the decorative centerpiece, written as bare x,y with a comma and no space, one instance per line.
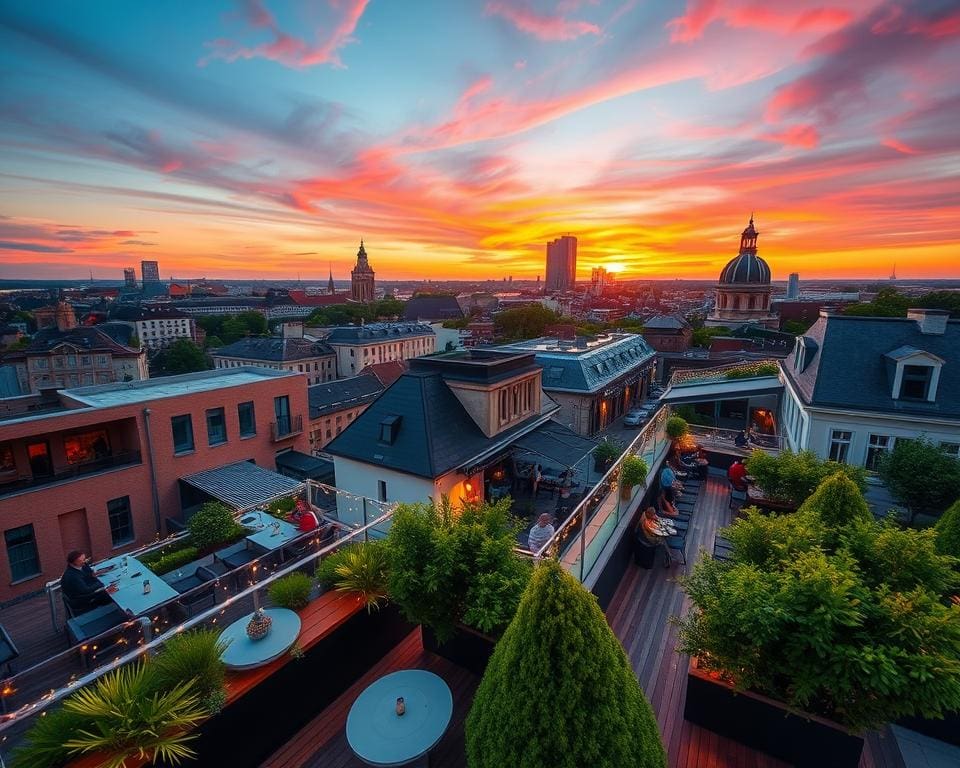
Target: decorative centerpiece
259,625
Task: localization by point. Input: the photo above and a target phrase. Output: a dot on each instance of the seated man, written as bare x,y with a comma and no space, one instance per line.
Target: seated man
741,439
81,587
541,532
668,478
737,475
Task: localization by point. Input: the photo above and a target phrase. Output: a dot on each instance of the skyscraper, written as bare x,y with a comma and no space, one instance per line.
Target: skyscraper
599,279
561,264
129,277
793,286
361,277
150,271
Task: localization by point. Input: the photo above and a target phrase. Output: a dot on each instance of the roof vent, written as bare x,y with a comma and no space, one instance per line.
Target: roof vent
932,322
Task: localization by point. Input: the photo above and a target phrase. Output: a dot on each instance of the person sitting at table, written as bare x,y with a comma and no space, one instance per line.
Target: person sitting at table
81,587
306,520
660,532
667,498
541,532
737,475
668,479
741,439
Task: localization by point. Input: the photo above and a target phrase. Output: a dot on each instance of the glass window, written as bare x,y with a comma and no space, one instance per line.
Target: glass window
840,445
216,426
86,446
916,382
22,552
7,462
248,423
876,448
182,433
121,522
281,409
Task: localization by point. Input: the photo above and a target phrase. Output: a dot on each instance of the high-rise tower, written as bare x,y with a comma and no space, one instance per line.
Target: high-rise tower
561,264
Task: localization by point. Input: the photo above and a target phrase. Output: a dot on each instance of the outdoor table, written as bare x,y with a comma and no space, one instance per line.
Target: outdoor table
129,595
243,653
379,736
269,532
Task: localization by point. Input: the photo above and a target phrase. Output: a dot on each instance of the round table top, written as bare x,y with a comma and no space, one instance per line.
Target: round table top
378,736
244,653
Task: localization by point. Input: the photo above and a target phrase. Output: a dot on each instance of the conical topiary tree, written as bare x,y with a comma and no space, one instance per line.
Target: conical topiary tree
839,502
559,690
948,531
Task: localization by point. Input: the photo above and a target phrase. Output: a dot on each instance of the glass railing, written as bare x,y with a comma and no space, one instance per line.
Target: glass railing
581,537
716,438
230,595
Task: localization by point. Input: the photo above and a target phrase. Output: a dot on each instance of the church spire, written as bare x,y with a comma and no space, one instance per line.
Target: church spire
748,239
331,288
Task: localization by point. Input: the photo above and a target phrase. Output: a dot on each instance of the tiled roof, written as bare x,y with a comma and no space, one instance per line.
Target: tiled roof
432,308
387,372
851,359
665,323
375,332
84,338
344,393
273,349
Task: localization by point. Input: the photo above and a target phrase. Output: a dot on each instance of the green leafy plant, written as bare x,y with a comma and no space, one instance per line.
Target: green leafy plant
172,560
792,477
126,717
676,428
445,568
211,525
559,690
689,415
282,507
359,569
43,745
607,451
633,471
831,612
291,591
948,531
193,655
921,475
753,371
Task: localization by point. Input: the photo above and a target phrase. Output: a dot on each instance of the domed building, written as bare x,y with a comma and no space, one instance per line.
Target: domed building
743,293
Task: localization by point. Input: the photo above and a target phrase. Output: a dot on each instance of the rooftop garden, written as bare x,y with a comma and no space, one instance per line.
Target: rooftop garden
790,478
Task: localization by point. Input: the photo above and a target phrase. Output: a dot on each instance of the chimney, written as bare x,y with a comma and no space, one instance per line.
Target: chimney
293,330
931,321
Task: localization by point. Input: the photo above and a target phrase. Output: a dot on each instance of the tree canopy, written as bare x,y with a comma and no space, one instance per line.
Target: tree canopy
921,475
388,308
231,328
891,303
182,356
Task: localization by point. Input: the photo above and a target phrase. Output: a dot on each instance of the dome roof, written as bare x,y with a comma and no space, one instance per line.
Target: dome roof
746,268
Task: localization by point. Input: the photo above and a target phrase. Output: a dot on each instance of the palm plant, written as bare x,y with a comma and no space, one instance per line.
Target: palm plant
43,745
360,569
193,656
127,717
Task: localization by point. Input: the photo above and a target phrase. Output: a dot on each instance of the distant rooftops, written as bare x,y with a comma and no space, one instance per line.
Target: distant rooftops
344,393
273,349
84,338
374,332
483,366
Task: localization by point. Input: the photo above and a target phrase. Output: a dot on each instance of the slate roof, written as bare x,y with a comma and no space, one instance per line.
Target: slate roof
577,369
121,333
274,350
344,393
666,323
376,332
84,338
851,361
435,435
9,384
746,268
432,308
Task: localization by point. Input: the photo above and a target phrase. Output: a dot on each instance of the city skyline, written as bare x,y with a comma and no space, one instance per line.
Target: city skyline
264,139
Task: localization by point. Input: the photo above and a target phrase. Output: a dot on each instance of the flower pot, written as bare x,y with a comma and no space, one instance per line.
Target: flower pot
468,648
626,492
768,725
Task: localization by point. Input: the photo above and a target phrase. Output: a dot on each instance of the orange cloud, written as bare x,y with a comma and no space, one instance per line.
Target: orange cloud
541,26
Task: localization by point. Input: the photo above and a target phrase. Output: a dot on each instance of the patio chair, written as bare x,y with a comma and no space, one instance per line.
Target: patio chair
196,599
738,496
92,623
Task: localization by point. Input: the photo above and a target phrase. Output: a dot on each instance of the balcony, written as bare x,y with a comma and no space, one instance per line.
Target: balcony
75,472
285,427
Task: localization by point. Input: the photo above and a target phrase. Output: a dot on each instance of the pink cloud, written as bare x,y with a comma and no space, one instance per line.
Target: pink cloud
287,49
755,15
551,28
900,147
803,136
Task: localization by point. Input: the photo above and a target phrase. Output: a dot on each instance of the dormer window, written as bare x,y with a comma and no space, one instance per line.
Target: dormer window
915,384
389,428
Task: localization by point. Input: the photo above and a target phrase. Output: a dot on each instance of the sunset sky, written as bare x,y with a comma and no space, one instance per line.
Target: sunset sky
265,138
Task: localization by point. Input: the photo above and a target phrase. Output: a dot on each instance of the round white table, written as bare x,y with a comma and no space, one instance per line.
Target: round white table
379,736
244,653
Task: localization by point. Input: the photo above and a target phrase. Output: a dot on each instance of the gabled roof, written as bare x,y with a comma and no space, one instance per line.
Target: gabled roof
83,338
905,352
273,349
851,364
344,393
435,434
373,333
387,372
432,308
666,323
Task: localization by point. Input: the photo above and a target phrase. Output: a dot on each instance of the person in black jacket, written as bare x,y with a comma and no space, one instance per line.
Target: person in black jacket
81,587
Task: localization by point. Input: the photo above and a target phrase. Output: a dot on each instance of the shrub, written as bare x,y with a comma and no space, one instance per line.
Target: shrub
43,745
446,568
948,531
282,507
689,415
607,451
793,477
360,569
193,655
633,471
676,428
559,690
922,476
212,524
291,591
170,561
750,372
831,612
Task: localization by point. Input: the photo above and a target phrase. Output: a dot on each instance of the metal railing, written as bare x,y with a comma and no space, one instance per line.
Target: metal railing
725,439
286,426
731,371
581,537
73,472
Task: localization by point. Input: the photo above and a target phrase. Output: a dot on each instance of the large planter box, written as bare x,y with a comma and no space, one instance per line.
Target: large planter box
767,725
947,729
467,648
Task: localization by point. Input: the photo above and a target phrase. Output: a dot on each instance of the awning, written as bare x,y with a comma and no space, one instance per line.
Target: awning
243,485
303,466
556,442
721,389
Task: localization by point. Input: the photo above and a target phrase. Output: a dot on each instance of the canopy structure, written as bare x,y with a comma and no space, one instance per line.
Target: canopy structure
695,390
556,442
243,485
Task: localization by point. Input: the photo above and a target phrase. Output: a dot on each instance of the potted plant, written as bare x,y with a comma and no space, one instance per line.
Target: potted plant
291,591
607,451
212,525
676,428
588,693
359,569
457,575
633,471
823,624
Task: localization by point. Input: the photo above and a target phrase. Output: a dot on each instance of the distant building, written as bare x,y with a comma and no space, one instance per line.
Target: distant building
150,271
362,278
793,286
60,315
429,308
386,373
743,292
358,346
157,326
599,280
129,278
335,404
668,333
594,380
561,264
291,352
